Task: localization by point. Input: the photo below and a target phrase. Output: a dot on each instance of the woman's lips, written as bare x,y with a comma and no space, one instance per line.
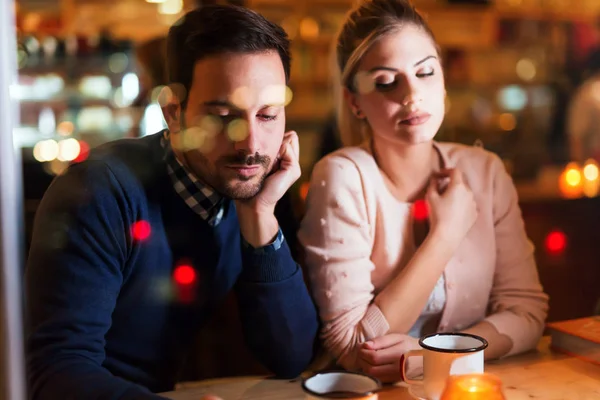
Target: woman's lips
415,119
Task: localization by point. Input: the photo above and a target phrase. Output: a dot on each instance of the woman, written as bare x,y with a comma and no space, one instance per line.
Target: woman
405,236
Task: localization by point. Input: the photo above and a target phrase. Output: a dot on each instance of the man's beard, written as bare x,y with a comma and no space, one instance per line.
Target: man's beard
244,190
240,188
210,175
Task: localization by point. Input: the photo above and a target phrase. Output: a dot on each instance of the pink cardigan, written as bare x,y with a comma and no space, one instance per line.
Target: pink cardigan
357,236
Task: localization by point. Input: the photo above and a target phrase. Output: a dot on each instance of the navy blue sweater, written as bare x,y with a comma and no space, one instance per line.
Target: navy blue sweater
106,319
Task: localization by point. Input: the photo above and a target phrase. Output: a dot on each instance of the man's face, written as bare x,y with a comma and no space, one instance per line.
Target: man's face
232,129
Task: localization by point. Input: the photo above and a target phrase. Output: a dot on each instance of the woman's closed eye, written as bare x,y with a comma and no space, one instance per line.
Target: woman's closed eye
426,73
267,117
384,86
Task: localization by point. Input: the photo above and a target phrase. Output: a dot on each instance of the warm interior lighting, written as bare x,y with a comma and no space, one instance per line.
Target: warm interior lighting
170,7
473,387
309,29
45,150
65,128
68,149
591,183
573,177
590,170
526,69
507,122
570,181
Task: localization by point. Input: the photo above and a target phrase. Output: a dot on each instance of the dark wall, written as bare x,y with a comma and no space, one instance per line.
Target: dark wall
572,277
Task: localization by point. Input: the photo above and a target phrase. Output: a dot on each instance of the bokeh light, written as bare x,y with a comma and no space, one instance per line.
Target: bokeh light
420,210
65,128
590,170
556,242
364,83
507,122
118,62
84,152
184,275
526,69
570,181
573,177
237,130
193,138
309,29
276,95
170,7
242,98
141,230
45,150
68,149
55,167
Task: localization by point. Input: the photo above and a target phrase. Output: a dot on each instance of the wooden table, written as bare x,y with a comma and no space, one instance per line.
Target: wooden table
542,375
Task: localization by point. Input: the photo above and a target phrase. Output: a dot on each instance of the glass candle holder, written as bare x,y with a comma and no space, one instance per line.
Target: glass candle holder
473,387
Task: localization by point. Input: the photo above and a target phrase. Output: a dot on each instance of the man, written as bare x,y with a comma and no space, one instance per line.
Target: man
133,248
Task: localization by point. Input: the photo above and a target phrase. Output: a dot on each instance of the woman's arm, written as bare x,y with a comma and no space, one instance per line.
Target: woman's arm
336,239
518,304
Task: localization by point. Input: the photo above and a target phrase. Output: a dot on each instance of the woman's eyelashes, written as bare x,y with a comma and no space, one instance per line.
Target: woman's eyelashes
267,117
426,73
391,83
385,86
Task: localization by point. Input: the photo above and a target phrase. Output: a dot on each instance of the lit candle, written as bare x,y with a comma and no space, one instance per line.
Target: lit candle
473,387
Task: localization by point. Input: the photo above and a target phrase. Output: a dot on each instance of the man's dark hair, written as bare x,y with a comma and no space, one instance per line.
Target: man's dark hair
217,29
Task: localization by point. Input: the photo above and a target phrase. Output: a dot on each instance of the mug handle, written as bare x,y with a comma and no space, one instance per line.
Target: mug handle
411,353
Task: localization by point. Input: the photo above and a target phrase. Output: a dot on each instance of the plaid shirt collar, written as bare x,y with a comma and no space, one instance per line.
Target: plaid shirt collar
201,198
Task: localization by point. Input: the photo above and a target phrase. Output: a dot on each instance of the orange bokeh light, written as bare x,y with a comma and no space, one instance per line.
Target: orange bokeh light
483,386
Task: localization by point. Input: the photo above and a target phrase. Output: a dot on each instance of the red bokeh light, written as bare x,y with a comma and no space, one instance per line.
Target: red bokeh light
420,210
141,230
556,242
184,275
304,191
84,152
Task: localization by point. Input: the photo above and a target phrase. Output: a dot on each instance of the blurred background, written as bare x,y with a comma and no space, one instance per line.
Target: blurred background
90,72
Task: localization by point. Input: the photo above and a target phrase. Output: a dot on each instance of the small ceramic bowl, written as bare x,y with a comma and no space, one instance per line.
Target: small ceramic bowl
341,385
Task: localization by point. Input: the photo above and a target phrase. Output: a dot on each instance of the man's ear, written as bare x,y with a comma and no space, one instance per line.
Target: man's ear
171,109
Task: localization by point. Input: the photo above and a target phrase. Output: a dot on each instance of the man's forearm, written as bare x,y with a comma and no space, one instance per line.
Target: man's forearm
82,379
258,227
280,322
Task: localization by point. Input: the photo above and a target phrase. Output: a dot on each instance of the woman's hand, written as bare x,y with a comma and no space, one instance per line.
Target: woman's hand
382,357
452,209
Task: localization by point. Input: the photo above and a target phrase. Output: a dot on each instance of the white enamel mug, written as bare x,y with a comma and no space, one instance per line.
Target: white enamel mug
445,354
341,385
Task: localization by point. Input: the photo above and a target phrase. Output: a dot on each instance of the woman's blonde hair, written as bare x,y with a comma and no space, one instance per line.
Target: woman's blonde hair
365,24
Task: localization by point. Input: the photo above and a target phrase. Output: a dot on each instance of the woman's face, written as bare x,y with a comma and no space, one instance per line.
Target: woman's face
399,87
